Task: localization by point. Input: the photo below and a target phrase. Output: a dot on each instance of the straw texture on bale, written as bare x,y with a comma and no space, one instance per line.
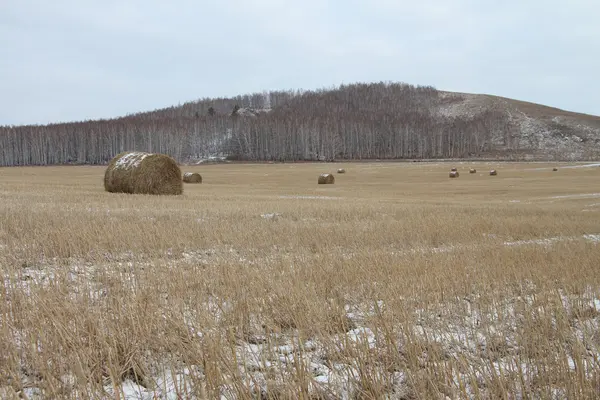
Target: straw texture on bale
493,172
472,171
325,179
341,171
143,173
453,174
192,177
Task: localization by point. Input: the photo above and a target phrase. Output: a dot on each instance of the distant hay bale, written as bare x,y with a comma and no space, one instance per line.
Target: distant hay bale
326,179
493,172
453,170
554,169
192,177
472,171
454,174
143,173
341,171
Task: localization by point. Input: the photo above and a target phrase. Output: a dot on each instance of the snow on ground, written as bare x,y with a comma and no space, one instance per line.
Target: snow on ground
577,196
454,325
310,197
212,160
565,167
272,216
583,165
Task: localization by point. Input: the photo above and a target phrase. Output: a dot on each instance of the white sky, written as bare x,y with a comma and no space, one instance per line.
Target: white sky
65,60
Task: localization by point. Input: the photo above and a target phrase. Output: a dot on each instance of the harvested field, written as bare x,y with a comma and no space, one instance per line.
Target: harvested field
375,287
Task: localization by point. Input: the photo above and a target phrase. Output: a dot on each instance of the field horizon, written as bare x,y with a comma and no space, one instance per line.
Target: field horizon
395,282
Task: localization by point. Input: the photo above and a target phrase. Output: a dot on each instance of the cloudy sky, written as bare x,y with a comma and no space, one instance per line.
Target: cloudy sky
65,60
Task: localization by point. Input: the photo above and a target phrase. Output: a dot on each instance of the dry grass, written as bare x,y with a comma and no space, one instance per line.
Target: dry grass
262,284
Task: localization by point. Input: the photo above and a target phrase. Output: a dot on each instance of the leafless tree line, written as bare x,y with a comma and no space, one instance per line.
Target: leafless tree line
358,121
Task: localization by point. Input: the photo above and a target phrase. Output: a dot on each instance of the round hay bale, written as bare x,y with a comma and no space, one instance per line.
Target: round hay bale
554,169
192,177
493,172
472,171
454,174
341,171
453,170
143,173
326,179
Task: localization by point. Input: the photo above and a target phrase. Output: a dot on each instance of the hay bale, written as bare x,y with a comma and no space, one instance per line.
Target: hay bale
472,171
493,172
192,177
143,173
453,170
341,171
554,169
454,174
326,179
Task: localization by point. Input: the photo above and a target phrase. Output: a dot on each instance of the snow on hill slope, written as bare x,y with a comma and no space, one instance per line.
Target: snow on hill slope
534,130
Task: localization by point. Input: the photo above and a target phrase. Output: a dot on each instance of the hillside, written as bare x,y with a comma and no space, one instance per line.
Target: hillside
358,121
536,131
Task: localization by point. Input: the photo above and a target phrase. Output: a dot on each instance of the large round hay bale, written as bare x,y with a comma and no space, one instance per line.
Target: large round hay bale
326,179
192,177
341,171
472,171
453,170
143,173
453,174
493,172
554,169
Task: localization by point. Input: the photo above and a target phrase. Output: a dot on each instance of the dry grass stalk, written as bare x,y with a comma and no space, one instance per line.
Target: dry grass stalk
192,177
326,179
228,304
143,173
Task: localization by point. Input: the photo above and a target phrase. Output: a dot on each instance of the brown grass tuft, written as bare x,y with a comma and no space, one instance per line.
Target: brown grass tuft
143,173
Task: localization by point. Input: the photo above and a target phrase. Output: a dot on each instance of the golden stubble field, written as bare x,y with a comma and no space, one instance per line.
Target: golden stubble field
395,282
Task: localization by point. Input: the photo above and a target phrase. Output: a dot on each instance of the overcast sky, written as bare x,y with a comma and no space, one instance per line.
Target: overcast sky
65,60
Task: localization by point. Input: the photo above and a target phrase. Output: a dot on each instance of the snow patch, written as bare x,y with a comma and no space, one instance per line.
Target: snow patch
311,197
576,196
583,166
565,167
130,160
212,160
272,216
